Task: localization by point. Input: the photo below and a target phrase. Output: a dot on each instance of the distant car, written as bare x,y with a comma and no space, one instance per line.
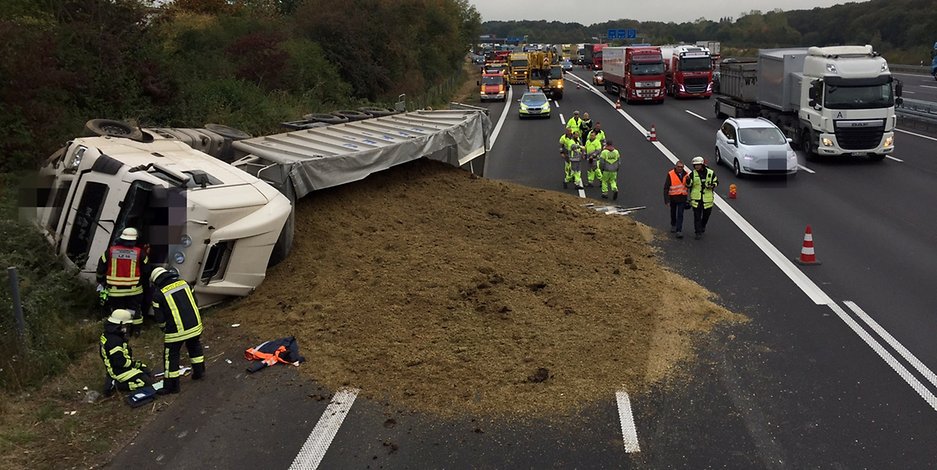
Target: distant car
754,146
567,65
534,104
598,78
478,59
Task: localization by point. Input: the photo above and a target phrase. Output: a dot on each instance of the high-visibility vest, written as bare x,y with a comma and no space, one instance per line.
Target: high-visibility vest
593,146
177,311
700,190
124,265
600,136
677,188
567,142
610,160
574,123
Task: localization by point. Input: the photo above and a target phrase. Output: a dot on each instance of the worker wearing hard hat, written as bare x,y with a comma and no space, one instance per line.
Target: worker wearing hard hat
609,162
123,371
179,317
701,184
122,273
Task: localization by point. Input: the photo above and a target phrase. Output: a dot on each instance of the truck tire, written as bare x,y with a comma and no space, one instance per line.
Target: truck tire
285,242
112,128
326,118
353,115
806,144
228,132
377,111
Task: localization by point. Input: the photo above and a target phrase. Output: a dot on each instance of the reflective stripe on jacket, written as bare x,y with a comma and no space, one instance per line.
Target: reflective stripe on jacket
176,309
610,160
677,188
118,359
124,265
702,190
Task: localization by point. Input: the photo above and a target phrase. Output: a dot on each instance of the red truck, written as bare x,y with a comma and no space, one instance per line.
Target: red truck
592,55
689,71
634,73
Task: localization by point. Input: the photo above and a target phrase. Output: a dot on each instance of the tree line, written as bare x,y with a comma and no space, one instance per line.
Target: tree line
904,31
246,63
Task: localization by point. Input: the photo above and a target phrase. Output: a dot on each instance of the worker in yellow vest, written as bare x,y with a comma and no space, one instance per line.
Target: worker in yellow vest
593,150
567,140
575,123
701,183
609,162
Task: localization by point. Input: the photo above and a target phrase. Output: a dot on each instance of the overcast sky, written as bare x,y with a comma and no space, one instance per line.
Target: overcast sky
597,11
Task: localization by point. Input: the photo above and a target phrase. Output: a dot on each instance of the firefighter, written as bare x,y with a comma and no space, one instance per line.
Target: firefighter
575,123
609,161
593,149
585,128
701,182
123,372
122,273
178,316
567,140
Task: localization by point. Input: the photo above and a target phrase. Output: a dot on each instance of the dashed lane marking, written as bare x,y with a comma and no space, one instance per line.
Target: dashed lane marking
893,158
321,437
691,113
562,119
629,433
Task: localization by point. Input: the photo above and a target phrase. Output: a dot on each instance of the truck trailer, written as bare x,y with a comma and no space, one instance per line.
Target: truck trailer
216,205
634,73
837,101
593,55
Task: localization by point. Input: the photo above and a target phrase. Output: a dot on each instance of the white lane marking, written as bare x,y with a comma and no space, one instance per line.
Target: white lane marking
893,158
928,86
916,134
562,119
557,104
808,170
318,442
504,115
582,193
694,114
917,364
902,371
629,433
909,92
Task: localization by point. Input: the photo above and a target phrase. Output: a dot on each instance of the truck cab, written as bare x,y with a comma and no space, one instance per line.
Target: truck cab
517,68
644,76
689,72
213,224
493,86
544,74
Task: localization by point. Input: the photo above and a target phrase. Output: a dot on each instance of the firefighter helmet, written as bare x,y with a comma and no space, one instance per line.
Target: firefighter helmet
120,317
129,234
157,272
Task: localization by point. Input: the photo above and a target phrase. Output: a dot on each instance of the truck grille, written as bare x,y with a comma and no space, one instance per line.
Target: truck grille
859,135
696,84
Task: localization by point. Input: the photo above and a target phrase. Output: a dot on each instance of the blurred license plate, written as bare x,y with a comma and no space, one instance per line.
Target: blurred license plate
860,154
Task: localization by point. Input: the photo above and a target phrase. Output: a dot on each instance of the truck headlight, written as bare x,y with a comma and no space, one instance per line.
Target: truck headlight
178,257
827,142
890,141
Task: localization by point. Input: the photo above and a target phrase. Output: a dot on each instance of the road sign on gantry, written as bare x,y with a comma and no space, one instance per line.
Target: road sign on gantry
630,34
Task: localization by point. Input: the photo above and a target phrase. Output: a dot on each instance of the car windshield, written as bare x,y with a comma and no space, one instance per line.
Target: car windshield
556,72
534,98
519,63
695,64
761,136
647,69
859,97
492,80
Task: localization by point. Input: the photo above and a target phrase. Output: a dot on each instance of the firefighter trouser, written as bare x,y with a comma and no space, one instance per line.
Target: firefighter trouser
609,181
135,382
573,173
171,353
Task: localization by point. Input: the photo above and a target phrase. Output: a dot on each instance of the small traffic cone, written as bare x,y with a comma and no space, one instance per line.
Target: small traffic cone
578,86
618,104
732,191
807,255
652,137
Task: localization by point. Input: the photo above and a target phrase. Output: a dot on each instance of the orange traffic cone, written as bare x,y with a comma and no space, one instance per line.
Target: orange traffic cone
618,104
652,137
578,86
733,191
807,255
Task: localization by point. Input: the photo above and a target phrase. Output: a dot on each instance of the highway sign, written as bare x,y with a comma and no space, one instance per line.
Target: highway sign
630,34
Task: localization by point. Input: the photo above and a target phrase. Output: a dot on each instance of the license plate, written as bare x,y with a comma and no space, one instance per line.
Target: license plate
860,154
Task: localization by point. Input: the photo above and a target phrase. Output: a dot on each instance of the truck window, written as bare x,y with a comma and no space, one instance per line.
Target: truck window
57,203
148,209
87,214
556,72
647,69
695,64
858,97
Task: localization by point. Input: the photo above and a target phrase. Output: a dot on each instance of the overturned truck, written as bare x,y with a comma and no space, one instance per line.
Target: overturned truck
217,205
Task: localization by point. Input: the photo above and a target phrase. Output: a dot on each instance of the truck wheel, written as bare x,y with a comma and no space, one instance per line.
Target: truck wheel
377,111
112,128
228,132
285,242
353,115
326,118
806,144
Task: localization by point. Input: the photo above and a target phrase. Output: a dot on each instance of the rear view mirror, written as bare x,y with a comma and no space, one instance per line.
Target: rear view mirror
898,101
730,141
898,87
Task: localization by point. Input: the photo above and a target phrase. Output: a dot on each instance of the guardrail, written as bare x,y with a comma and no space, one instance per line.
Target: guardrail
917,114
916,69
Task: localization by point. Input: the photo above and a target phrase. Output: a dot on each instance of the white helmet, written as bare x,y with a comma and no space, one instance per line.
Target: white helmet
157,272
697,160
120,317
129,234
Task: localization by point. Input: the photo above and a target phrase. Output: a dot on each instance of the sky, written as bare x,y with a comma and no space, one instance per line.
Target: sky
598,11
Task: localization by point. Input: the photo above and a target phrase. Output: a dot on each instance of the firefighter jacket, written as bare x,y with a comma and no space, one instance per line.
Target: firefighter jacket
284,350
123,268
117,356
175,309
701,189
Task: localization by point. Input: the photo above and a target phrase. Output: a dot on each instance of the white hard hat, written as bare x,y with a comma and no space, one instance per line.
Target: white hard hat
157,271
129,234
698,160
120,317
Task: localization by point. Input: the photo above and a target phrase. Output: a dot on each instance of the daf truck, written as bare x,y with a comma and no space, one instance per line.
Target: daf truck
634,74
216,205
835,101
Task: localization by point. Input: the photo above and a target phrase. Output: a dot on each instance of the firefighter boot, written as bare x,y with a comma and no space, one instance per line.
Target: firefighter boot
170,386
198,371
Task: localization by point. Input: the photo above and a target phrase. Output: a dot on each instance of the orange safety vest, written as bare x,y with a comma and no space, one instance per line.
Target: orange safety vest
268,359
677,188
124,268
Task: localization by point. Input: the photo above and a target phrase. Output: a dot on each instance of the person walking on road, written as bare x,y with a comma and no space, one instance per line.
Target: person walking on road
567,140
593,150
701,184
179,317
675,195
122,273
585,128
609,161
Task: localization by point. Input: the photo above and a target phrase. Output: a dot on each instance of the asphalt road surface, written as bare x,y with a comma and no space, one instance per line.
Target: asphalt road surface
833,371
918,87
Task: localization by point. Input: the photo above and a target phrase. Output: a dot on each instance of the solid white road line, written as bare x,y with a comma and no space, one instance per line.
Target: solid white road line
909,92
318,442
928,86
916,134
893,158
902,371
808,170
903,351
629,433
582,193
504,115
694,114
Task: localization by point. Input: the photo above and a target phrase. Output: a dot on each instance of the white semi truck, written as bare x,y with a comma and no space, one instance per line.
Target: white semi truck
836,101
216,205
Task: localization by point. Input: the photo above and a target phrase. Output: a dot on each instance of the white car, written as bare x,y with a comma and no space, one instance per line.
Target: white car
754,146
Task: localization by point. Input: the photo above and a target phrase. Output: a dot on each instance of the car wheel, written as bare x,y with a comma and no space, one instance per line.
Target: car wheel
737,169
718,156
112,128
